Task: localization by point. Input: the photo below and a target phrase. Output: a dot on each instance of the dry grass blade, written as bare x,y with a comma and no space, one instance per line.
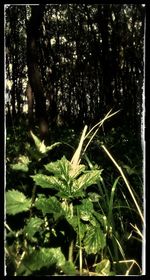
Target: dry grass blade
126,182
133,262
98,125
76,157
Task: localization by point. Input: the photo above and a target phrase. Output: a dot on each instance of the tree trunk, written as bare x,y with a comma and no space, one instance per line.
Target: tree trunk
34,72
102,20
29,94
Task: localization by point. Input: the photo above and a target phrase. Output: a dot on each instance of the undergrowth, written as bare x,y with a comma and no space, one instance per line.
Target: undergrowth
72,211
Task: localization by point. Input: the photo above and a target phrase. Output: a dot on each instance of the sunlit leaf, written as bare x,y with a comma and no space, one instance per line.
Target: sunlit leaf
103,267
16,202
33,226
22,164
88,179
49,205
64,169
49,148
19,167
76,170
86,209
45,181
94,197
37,141
69,268
95,240
60,168
41,147
44,257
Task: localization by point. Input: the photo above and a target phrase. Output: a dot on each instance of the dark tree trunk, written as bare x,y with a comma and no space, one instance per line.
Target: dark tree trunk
29,94
102,20
34,72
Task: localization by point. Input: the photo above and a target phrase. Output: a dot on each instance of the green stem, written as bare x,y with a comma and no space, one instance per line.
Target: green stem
80,245
71,245
70,255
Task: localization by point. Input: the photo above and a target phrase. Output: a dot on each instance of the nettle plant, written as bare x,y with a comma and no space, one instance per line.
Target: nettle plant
65,232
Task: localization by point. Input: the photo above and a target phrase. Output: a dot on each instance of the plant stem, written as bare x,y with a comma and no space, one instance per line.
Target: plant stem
70,254
80,246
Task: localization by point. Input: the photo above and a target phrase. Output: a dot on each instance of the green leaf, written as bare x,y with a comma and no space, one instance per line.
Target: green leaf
73,221
60,168
45,181
100,218
88,179
33,226
37,141
95,240
103,267
76,170
19,166
69,268
16,202
94,197
45,257
22,164
63,169
49,205
86,209
51,147
130,170
41,147
83,228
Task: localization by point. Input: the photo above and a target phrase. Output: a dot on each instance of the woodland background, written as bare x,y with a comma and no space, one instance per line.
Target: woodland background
67,66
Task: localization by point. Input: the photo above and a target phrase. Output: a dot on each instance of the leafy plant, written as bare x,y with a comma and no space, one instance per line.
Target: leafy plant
71,218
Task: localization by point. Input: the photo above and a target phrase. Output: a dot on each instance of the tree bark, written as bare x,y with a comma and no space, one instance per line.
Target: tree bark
34,72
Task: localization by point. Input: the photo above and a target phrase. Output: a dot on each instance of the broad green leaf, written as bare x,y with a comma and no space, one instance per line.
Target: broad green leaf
41,147
24,159
49,205
100,218
64,169
94,197
44,257
88,179
95,240
76,170
86,209
60,168
37,141
103,267
51,147
69,268
70,193
16,202
73,221
22,164
33,226
82,229
45,181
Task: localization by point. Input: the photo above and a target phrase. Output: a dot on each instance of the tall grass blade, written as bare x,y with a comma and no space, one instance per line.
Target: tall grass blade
126,182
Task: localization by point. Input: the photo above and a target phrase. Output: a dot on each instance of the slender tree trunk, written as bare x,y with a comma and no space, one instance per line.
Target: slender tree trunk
103,17
34,72
29,94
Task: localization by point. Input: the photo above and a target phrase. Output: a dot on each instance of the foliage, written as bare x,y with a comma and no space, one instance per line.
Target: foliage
74,219
69,211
